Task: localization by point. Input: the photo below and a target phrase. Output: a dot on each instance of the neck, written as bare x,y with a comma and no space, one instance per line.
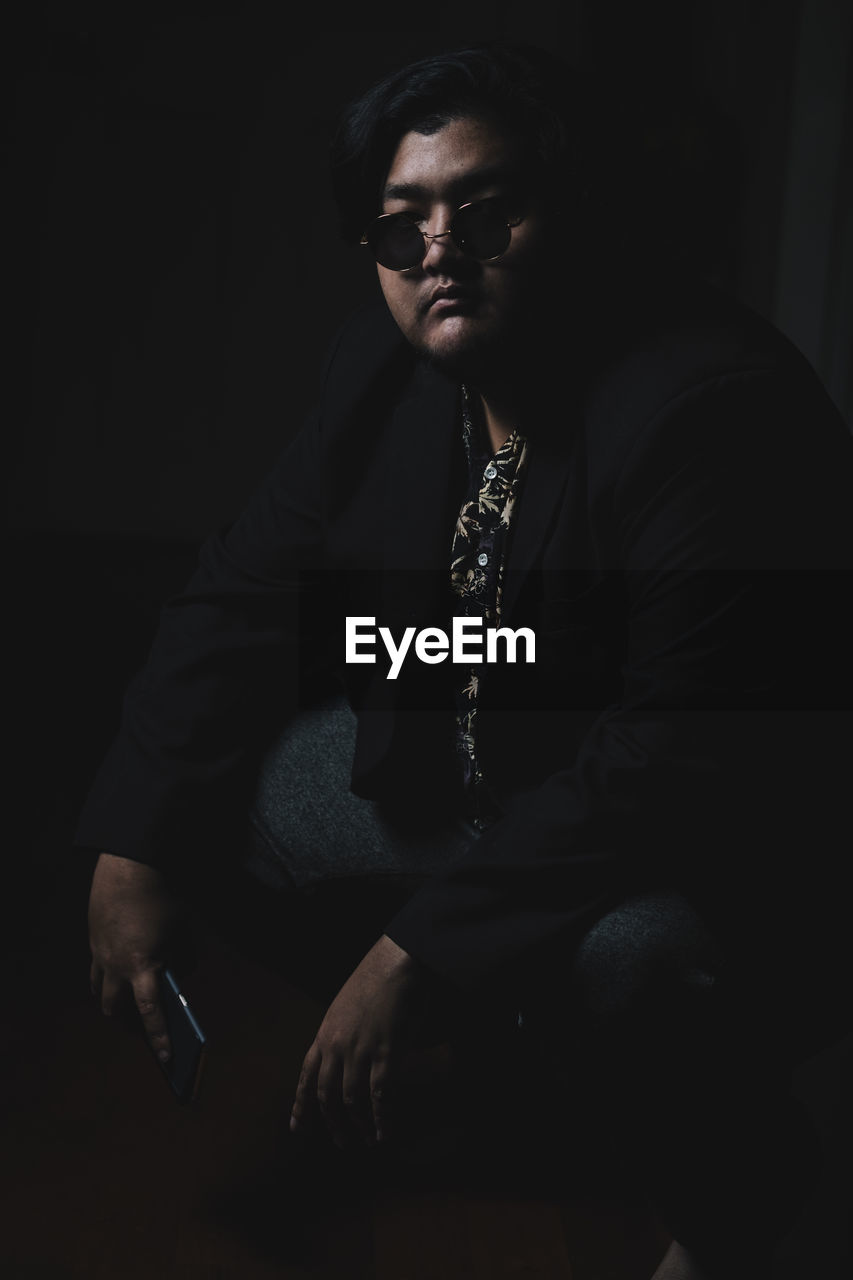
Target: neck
511,399
501,414
515,388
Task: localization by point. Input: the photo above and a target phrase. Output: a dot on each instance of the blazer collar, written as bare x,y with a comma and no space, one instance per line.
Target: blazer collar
425,475
426,486
543,490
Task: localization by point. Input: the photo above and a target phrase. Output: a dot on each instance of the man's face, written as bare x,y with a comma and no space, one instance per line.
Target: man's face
463,314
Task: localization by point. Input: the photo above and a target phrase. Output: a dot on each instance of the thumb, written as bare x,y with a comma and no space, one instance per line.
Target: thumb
146,993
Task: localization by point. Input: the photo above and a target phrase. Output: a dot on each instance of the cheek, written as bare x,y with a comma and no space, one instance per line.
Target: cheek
392,283
398,297
402,304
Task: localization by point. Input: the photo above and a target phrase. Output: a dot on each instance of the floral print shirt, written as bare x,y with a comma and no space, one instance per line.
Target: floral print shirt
476,576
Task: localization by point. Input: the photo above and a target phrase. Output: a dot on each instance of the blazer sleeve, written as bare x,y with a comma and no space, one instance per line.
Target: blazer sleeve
221,675
730,521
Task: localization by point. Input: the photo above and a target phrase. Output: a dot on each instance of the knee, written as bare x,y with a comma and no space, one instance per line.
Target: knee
652,952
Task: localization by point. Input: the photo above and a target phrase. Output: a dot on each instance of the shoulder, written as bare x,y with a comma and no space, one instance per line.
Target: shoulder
372,377
366,344
700,416
689,362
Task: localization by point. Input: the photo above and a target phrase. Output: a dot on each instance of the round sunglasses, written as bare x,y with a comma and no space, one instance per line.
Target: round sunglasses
481,229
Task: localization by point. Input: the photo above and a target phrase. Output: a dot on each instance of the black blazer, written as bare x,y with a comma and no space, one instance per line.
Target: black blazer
681,550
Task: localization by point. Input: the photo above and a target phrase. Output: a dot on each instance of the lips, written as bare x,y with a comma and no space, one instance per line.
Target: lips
449,298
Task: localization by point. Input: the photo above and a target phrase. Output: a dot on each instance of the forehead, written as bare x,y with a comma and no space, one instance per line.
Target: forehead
452,161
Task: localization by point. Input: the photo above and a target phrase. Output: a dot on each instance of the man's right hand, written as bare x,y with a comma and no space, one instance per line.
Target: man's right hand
133,918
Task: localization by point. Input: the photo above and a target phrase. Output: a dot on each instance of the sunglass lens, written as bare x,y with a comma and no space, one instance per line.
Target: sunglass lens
481,230
397,243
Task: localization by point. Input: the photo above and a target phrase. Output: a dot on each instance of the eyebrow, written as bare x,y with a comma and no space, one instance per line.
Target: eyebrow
455,188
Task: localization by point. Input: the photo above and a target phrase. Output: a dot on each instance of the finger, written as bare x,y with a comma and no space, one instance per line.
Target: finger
380,1078
355,1093
330,1097
305,1101
95,978
146,993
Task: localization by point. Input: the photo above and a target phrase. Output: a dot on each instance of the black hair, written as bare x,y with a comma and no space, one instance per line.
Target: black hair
526,90
650,175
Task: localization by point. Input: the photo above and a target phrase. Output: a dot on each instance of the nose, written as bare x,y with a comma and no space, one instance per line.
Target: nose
438,245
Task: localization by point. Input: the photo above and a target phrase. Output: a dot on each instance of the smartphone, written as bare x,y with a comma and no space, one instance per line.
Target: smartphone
184,1068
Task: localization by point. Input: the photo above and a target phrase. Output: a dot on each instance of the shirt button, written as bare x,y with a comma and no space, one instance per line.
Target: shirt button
490,472
482,558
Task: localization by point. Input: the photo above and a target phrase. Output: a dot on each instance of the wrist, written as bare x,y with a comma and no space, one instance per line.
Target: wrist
394,954
121,873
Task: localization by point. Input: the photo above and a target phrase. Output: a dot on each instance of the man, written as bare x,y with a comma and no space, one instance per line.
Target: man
646,485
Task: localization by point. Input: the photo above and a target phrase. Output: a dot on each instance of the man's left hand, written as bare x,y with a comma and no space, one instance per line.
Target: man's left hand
352,1069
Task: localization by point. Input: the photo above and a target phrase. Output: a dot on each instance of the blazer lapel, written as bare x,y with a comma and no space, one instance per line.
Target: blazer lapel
426,481
424,491
423,465
543,490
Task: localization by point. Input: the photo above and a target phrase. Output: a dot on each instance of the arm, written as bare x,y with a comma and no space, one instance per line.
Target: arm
170,800
676,779
222,672
170,795
224,669
726,514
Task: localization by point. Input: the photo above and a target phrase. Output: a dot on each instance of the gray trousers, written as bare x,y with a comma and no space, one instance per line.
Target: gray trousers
307,828
655,1023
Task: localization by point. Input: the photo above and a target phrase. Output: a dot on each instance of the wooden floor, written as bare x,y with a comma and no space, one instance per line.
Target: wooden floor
107,1178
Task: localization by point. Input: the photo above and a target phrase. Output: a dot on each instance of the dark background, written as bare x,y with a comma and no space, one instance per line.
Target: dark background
181,274
174,276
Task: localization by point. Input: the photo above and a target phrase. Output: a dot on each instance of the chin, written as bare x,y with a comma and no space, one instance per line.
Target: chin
464,352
